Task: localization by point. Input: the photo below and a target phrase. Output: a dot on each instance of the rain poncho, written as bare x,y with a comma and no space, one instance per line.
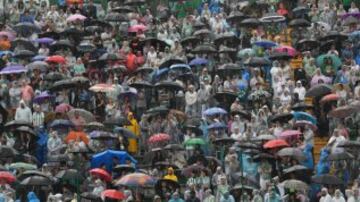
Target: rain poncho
135,128
309,162
41,149
32,197
323,165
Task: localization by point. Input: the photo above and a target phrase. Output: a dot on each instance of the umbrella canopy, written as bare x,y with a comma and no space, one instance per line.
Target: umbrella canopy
137,28
280,56
272,18
292,152
124,168
290,133
6,177
116,17
319,90
342,112
102,87
113,194
78,113
349,144
285,117
226,38
304,116
160,137
265,44
69,175
329,98
22,165
36,180
101,173
13,69
258,62
225,97
7,152
194,141
198,62
304,123
214,111
56,59
300,22
340,156
264,138
326,179
277,143
204,49
125,132
307,44
26,28
295,185
23,54
75,136
39,65
325,59
102,135
106,158
286,49
250,23
190,169
136,180
202,32
217,126
174,86
63,108
76,17
42,97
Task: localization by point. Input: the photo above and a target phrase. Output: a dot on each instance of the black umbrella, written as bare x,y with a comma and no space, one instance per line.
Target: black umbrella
40,65
301,107
349,144
153,42
327,179
325,46
334,35
124,168
95,126
258,62
170,62
292,152
17,123
23,44
103,135
26,28
223,141
51,34
296,169
125,132
99,23
62,84
229,69
116,17
135,2
119,121
122,9
204,49
61,45
272,18
7,152
70,174
250,23
109,57
30,173
195,129
86,47
202,32
72,32
173,86
307,44
227,50
174,147
93,29
264,137
225,97
300,10
191,39
144,70
236,16
90,196
54,76
26,129
22,54
260,156
340,156
140,85
280,56
36,180
247,145
319,90
299,22
158,110
283,118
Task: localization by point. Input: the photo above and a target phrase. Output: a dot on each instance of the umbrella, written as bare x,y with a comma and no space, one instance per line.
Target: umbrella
63,108
272,18
304,116
70,174
54,76
21,43
265,44
319,90
286,49
102,135
136,180
340,156
307,44
301,106
299,22
91,197
259,95
300,10
190,169
101,173
61,123
303,123
295,168
292,152
153,42
350,14
335,61
350,21
13,69
106,158
236,16
135,2
125,132
334,35
144,70
36,180
7,152
95,125
194,141
23,54
42,97
160,137
141,84
223,141
258,62
228,38
283,118
116,17
109,57
250,23
26,28
295,185
280,56
80,113
76,136
7,177
113,194
217,126
174,147
201,32
86,47
25,129
342,112
45,40
290,133
204,49
246,52
349,144
40,65
327,179
180,67
17,123
123,9
214,111
198,62
329,98
174,86
137,28
170,62
76,17
225,97
56,59
102,87
62,84
124,168
118,121
191,39
22,165
277,143
9,35
264,138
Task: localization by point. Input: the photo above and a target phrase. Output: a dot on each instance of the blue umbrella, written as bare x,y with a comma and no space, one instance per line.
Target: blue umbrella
97,134
13,69
2,53
160,72
265,44
214,111
183,67
38,58
304,116
45,40
61,123
106,158
42,97
217,126
198,61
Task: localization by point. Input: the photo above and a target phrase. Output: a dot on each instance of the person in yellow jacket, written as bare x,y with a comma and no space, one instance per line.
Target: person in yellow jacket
135,128
170,175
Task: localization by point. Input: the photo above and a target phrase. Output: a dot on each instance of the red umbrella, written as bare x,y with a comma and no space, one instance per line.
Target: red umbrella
101,173
56,59
290,133
63,108
277,143
160,137
329,98
6,177
342,112
112,194
137,28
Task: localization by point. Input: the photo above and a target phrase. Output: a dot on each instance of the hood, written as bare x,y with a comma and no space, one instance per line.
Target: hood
32,197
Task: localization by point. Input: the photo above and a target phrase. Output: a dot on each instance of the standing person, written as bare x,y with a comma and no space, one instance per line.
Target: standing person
191,98
27,92
203,97
135,128
90,10
38,117
23,113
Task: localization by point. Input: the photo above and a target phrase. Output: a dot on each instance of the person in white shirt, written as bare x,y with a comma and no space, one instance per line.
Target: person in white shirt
300,90
38,117
190,100
338,196
236,135
325,196
335,139
285,99
23,113
151,56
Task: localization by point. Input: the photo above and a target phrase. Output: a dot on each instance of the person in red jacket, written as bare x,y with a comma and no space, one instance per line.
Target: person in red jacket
131,61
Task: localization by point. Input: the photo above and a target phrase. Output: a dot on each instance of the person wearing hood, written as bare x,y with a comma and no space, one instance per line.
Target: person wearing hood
338,196
300,90
135,128
350,195
170,175
191,98
23,113
31,196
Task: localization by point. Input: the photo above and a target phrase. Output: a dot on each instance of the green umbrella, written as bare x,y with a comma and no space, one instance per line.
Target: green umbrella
247,51
21,165
328,59
195,141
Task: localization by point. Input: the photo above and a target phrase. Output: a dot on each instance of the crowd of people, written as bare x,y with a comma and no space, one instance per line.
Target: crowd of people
180,101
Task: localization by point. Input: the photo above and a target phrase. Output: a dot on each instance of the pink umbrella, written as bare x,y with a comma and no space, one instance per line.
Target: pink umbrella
10,36
290,133
315,80
63,108
75,17
137,28
286,49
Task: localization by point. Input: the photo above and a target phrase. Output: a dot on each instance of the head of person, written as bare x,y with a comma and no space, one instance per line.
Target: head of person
170,171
